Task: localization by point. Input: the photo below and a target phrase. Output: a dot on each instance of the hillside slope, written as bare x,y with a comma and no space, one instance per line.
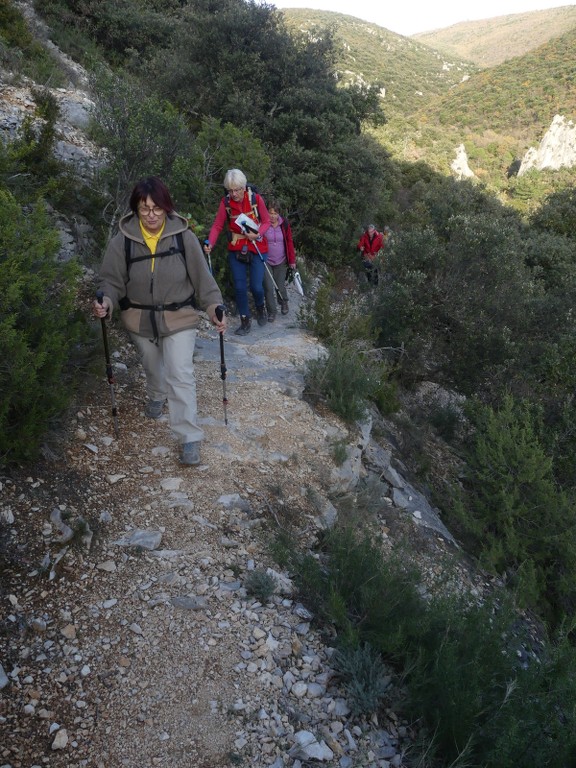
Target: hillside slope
492,41
408,71
519,97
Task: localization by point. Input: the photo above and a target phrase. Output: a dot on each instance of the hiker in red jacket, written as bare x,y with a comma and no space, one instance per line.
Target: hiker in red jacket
247,248
369,246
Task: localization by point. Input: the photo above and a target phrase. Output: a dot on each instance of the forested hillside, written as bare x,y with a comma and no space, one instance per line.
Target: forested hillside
466,344
520,96
408,72
434,99
497,114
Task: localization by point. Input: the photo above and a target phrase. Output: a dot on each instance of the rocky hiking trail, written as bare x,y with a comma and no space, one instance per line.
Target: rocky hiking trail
135,643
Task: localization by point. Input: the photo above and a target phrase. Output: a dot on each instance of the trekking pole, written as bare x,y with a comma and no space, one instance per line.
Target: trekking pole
220,315
274,283
109,371
271,276
207,242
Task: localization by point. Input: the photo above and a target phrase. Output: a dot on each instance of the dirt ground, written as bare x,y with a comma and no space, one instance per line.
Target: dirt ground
117,655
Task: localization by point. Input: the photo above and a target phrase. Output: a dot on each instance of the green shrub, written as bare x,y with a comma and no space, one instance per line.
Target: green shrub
459,676
484,691
336,320
260,584
535,727
339,453
445,419
513,515
384,394
20,51
365,678
38,329
339,379
366,597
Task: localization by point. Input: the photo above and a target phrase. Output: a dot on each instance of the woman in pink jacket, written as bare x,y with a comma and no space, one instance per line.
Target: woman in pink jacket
281,259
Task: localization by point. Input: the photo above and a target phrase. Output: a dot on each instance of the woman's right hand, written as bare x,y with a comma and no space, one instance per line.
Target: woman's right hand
102,310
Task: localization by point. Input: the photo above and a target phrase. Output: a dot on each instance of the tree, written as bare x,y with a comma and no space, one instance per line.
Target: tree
558,213
142,136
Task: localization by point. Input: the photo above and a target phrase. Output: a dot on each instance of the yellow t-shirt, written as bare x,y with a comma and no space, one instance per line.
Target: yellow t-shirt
152,241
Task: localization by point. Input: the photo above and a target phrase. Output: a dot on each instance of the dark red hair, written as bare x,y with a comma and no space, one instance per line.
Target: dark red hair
273,205
156,189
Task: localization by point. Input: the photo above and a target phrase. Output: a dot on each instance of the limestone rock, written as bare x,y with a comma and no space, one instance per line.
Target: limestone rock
556,150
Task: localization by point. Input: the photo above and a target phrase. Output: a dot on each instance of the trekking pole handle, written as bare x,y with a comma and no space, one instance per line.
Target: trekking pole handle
219,311
100,298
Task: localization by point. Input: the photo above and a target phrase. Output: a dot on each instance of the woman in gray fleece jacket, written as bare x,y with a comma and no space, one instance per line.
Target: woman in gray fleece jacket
155,273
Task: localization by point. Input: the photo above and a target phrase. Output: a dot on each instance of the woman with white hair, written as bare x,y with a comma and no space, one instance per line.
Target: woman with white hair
243,213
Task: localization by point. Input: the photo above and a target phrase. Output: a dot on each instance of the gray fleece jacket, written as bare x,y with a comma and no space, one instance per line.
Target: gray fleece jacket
158,282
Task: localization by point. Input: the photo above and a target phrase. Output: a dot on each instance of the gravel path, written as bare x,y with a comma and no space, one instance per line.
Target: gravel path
135,643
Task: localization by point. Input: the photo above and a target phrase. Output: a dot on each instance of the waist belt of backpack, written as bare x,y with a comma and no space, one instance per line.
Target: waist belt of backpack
125,303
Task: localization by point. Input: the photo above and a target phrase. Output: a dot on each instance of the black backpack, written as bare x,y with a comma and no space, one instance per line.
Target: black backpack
178,249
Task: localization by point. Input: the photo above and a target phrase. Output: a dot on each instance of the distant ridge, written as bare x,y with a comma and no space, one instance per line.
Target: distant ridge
409,72
490,42
517,98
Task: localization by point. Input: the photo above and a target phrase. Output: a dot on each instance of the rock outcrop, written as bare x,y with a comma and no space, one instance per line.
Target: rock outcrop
557,149
459,165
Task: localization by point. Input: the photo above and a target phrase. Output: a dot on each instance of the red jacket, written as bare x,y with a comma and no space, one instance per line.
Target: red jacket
236,238
370,245
289,243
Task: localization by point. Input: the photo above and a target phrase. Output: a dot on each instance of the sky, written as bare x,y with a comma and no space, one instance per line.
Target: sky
407,17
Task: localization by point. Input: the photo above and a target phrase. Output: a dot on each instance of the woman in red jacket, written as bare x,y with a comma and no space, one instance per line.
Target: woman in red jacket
247,246
369,246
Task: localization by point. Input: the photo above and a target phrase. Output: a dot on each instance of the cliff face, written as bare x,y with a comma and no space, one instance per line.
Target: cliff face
556,150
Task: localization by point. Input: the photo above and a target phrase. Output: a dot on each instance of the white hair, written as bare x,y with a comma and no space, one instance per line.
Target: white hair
234,178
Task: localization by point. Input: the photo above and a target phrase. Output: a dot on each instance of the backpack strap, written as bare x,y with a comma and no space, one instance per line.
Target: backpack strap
179,248
253,203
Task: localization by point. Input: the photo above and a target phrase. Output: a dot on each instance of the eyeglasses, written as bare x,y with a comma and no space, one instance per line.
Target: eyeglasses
143,210
236,191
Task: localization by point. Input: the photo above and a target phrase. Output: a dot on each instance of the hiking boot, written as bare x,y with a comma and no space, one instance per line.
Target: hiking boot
284,307
154,408
190,453
271,317
261,315
244,326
